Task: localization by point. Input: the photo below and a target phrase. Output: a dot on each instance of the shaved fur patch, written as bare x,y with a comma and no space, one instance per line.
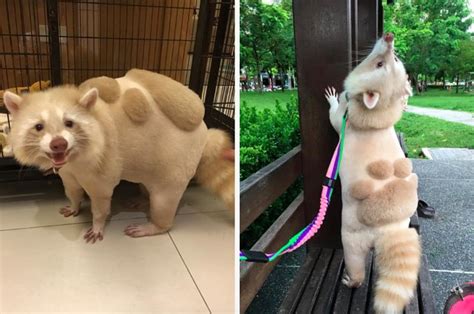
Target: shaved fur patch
136,105
109,89
396,201
403,167
380,169
181,105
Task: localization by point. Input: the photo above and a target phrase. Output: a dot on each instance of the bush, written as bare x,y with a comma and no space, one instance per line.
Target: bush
264,137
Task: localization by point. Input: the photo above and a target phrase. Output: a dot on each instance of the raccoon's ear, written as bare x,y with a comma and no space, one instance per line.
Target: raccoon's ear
12,102
371,99
89,99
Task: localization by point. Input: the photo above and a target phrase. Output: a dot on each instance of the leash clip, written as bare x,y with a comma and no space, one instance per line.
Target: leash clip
255,256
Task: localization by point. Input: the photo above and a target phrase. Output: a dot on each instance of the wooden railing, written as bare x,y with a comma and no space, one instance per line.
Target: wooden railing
257,192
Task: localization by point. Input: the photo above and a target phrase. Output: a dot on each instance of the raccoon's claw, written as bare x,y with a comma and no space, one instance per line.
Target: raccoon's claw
93,236
68,211
136,231
348,282
330,92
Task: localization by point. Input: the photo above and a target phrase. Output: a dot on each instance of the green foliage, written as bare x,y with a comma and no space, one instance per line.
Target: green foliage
266,36
422,131
428,33
265,135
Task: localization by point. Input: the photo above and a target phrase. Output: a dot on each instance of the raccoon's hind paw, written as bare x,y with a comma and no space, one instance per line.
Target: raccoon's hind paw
137,231
94,235
348,282
68,211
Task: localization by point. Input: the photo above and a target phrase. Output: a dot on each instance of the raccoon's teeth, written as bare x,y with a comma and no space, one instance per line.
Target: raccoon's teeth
59,158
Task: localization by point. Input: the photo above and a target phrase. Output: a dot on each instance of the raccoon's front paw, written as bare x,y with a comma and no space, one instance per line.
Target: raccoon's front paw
68,211
148,229
348,282
94,234
331,96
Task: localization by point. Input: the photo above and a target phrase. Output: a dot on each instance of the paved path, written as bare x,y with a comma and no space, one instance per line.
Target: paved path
448,115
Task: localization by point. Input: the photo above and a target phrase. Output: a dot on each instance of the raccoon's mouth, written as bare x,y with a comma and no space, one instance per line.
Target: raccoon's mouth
58,159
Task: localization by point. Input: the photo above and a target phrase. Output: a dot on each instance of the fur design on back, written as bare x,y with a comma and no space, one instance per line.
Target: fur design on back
127,128
379,190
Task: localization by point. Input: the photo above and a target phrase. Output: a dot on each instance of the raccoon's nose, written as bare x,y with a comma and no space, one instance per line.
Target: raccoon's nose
58,144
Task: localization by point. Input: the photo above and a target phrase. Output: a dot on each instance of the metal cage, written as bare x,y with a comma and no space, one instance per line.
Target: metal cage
50,42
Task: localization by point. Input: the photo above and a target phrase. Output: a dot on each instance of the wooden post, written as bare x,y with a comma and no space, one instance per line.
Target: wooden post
323,54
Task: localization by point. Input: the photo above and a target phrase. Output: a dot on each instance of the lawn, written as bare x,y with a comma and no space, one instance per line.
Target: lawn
420,131
443,99
267,99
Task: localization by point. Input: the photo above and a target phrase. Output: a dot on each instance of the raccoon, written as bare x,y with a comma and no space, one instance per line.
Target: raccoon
379,190
143,127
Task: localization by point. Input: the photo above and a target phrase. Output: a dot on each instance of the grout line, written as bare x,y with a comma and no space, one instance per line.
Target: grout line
457,271
109,220
67,224
190,274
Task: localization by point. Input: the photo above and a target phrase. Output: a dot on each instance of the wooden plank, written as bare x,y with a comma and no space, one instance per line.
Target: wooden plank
327,294
413,307
426,298
323,50
259,190
293,296
253,275
372,280
311,292
360,298
343,297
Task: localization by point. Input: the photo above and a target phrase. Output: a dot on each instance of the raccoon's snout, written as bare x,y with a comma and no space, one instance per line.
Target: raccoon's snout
58,144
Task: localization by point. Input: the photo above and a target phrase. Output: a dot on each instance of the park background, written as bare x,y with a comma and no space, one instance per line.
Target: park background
434,39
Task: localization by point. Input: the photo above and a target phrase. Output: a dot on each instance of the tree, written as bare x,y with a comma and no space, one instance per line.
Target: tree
266,37
428,33
463,62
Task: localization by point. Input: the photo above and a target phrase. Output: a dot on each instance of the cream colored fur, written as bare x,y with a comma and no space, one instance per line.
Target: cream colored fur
184,109
222,181
131,139
377,204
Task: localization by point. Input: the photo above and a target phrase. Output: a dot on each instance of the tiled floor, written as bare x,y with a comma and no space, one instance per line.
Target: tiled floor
46,266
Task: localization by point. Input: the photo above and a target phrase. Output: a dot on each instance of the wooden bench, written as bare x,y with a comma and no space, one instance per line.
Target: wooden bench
317,286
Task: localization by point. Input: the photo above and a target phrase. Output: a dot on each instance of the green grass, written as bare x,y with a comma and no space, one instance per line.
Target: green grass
267,99
422,131
419,131
443,99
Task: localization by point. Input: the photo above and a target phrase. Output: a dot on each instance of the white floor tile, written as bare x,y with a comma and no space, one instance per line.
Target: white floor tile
206,243
53,270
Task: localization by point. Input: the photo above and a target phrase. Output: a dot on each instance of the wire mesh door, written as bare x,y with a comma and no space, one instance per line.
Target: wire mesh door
49,42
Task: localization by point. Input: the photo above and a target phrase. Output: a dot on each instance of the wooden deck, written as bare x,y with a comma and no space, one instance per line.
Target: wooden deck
318,288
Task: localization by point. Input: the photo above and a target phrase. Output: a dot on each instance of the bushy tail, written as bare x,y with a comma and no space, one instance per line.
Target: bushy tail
215,172
397,257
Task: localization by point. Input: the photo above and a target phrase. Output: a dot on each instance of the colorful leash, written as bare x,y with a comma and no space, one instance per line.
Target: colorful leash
310,230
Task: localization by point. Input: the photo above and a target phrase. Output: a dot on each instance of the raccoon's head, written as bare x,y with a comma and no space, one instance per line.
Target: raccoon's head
381,78
54,127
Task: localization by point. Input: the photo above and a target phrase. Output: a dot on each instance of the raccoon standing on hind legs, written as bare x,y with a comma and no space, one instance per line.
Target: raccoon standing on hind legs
379,190
144,128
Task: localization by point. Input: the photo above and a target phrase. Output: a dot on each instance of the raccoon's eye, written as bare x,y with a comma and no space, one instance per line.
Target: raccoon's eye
39,127
69,123
380,64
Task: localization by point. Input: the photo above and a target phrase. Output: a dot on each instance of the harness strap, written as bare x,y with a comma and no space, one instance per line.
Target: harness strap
310,230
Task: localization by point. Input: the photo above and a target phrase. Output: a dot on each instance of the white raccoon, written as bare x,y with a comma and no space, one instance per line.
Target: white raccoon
143,127
379,190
